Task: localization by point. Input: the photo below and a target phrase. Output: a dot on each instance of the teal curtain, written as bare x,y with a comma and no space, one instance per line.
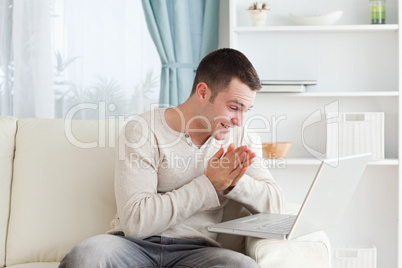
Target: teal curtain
184,31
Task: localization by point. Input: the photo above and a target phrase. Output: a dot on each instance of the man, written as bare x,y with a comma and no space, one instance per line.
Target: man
177,170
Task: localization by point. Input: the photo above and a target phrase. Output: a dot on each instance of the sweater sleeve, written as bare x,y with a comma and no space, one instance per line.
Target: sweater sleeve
257,191
142,210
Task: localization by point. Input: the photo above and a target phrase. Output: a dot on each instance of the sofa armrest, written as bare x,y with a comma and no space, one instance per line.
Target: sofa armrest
308,251
8,128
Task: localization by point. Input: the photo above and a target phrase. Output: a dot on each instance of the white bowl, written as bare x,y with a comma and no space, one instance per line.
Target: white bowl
326,19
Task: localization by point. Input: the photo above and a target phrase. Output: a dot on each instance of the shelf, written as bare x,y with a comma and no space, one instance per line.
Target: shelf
329,28
361,60
337,94
312,161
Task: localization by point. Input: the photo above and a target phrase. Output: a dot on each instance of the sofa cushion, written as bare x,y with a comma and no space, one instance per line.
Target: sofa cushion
8,127
61,193
308,251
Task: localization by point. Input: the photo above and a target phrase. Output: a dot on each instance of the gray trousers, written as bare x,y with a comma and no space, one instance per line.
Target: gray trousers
155,251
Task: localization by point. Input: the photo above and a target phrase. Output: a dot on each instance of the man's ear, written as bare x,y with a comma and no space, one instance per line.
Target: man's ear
203,92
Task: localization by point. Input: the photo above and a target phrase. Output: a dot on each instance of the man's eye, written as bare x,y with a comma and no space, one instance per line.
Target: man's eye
233,108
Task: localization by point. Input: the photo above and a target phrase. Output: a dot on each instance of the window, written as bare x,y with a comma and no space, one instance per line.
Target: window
100,53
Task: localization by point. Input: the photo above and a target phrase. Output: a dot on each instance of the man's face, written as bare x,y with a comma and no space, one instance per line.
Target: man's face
228,108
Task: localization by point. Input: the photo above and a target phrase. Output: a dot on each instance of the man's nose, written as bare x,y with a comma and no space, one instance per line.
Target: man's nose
238,120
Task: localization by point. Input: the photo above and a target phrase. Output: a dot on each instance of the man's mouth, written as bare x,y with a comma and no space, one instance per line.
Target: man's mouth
225,126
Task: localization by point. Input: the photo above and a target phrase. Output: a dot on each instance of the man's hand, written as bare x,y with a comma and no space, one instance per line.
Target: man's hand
225,169
248,162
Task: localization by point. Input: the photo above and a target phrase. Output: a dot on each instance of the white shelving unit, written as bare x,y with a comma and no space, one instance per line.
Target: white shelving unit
331,28
357,66
314,161
338,94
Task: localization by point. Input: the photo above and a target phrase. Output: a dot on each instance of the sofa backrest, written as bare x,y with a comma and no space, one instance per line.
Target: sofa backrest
8,127
62,188
61,193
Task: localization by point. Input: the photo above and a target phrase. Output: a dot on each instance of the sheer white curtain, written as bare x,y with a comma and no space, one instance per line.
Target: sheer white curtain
6,68
32,51
89,56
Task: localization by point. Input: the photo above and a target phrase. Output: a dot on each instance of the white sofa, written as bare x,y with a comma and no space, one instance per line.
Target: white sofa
54,194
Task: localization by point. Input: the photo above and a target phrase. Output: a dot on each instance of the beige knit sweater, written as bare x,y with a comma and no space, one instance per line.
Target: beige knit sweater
161,188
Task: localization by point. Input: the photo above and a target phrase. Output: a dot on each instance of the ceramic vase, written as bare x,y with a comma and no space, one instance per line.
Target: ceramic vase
258,17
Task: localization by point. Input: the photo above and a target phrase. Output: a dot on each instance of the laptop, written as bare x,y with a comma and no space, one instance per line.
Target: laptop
323,206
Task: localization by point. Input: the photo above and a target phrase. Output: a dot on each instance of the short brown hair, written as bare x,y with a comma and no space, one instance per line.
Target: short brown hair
220,67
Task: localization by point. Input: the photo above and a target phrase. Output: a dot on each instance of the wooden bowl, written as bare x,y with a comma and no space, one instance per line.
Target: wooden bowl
276,150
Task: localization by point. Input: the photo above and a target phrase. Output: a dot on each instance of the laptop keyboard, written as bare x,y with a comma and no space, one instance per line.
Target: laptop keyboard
281,226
